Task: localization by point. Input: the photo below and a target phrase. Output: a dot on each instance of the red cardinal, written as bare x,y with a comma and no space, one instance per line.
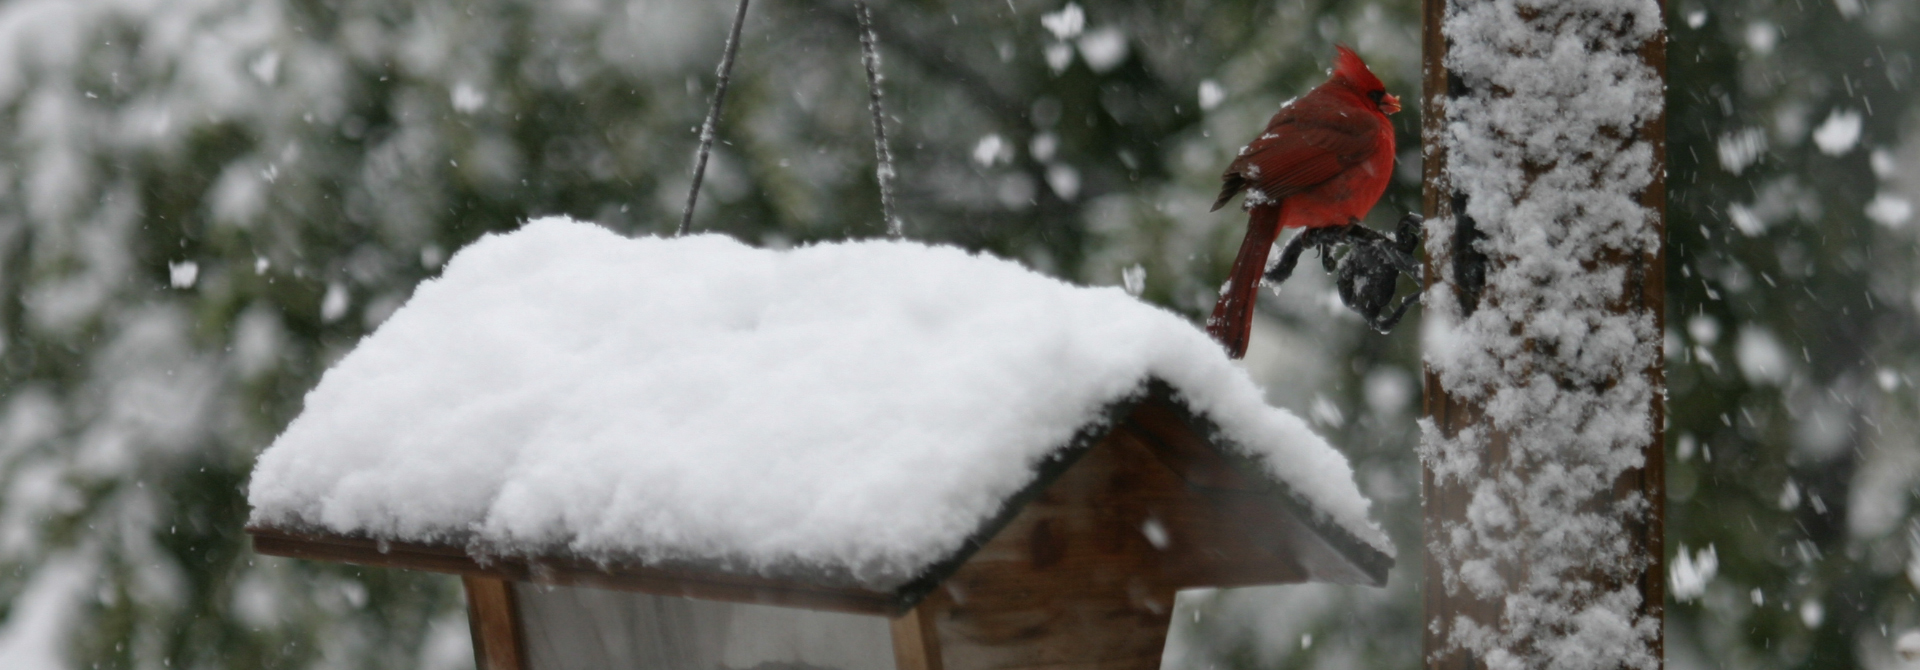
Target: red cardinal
1322,162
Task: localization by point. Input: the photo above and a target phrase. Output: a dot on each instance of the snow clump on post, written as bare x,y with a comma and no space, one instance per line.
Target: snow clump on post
1547,152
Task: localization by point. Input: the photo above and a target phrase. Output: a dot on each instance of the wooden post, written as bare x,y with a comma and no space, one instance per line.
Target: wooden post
1484,571
493,613
916,641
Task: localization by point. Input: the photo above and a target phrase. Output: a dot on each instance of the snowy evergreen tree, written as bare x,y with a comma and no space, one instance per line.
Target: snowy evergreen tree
205,202
1791,344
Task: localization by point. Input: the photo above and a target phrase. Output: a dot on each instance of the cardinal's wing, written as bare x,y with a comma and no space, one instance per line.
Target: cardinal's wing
1300,149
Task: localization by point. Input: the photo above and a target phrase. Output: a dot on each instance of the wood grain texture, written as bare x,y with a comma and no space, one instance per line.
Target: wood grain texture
916,644
493,613
1072,581
1084,576
1651,480
1438,200
1180,447
1235,490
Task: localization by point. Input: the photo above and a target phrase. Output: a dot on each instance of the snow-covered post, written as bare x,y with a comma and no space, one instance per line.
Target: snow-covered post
1544,481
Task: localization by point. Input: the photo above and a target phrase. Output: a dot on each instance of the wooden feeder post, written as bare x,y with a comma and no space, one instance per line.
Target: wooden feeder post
1079,569
1458,270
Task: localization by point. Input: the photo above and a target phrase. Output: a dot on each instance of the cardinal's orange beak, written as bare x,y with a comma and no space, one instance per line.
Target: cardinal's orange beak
1389,104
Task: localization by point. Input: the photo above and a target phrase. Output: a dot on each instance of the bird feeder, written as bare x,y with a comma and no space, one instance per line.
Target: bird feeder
691,454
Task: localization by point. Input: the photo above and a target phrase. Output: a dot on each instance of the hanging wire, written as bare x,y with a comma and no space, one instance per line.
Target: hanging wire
871,57
713,117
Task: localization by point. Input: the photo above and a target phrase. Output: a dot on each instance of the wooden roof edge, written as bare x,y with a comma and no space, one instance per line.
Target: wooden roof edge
455,558
1224,464
1114,415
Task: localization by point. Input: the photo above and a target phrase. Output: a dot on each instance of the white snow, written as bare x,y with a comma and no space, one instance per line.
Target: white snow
1388,390
467,98
1134,279
858,407
334,304
1703,329
1059,56
183,274
36,631
1043,146
448,644
1839,133
1763,360
1534,144
1812,613
1255,198
1211,94
1745,220
991,149
1883,163
1064,180
266,68
1156,533
1889,210
1692,573
1762,36
1067,23
1741,148
1103,48
1908,646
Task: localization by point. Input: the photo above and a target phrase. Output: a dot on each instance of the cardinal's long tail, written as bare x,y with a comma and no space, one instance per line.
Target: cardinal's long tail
1232,319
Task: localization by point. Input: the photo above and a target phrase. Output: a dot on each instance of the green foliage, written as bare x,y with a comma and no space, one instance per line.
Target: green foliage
308,162
315,160
1796,468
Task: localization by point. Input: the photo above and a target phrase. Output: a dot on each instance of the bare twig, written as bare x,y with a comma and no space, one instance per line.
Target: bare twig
884,171
713,116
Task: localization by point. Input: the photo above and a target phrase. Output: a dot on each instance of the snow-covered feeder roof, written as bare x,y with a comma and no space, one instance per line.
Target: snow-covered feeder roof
848,413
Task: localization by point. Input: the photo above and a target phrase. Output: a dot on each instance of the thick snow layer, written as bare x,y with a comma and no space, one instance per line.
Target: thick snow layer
1536,146
859,408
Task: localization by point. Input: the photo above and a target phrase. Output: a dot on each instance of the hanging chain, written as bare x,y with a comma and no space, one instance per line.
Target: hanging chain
870,56
713,117
884,172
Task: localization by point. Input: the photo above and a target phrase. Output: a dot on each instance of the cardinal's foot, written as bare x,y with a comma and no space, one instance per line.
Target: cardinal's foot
1321,239
1369,274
